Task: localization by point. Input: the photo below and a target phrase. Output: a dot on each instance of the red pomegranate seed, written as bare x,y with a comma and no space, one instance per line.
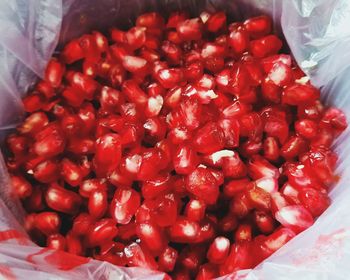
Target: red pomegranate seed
239,258
218,250
184,231
167,259
49,141
259,167
54,72
202,183
34,123
295,217
268,245
71,172
81,224
190,29
62,200
46,171
243,233
271,149
108,153
151,236
238,40
258,26
209,139
97,204
101,232
138,256
21,187
300,94
265,46
216,22
47,222
264,221
259,198
314,200
56,242
124,205
195,210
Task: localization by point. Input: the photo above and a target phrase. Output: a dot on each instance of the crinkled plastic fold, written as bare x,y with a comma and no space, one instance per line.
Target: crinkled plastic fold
318,34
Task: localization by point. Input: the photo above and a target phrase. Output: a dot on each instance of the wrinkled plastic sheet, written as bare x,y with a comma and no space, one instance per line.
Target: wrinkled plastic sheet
318,34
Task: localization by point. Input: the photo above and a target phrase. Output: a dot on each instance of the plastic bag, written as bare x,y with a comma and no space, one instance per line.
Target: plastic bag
318,35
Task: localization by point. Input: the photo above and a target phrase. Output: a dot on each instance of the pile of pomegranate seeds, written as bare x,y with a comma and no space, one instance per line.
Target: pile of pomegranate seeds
190,146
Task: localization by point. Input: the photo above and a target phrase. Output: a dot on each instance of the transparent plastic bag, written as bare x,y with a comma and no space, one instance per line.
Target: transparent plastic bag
318,35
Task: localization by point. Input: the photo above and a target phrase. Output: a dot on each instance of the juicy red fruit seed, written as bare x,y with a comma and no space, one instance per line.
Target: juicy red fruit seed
193,142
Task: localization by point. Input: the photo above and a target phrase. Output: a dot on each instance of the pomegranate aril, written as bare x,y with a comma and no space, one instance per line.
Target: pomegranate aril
135,37
169,77
259,167
165,210
264,222
46,171
81,224
47,222
56,242
216,22
151,236
83,83
139,256
190,29
108,154
184,231
167,259
21,187
243,233
259,198
101,232
295,217
300,176
202,183
267,246
269,62
240,205
71,172
97,204
300,94
157,186
218,250
209,138
49,141
124,205
54,72
258,26
233,167
335,118
238,40
280,74
271,149
265,46
294,146
191,257
207,271
306,128
72,52
238,258
195,210
314,200
290,193
34,123
62,200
